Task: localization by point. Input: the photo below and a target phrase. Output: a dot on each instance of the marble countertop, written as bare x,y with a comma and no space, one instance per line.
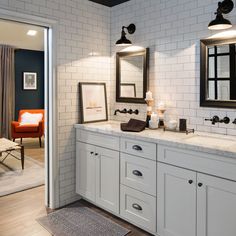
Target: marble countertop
223,145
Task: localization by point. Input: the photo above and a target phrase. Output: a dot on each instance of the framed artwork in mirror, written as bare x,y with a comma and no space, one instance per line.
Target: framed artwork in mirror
132,76
93,100
128,90
218,73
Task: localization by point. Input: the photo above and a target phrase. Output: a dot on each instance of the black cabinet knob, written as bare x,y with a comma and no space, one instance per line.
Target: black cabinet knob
137,173
137,148
200,184
137,207
96,154
190,181
91,153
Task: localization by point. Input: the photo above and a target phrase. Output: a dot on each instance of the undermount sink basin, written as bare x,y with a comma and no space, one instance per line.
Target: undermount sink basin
209,140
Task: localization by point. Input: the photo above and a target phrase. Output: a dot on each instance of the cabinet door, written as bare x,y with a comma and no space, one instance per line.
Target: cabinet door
107,179
176,201
85,170
216,206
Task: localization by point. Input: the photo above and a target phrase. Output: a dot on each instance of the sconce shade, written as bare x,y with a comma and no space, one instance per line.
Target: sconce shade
220,23
123,41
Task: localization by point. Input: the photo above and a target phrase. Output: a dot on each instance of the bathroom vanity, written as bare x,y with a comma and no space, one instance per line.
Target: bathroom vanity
169,184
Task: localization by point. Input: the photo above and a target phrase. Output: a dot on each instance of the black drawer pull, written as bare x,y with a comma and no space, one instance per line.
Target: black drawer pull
91,153
137,148
190,181
137,207
137,173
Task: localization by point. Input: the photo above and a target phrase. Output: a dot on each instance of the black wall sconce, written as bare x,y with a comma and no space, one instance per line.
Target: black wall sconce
123,41
220,22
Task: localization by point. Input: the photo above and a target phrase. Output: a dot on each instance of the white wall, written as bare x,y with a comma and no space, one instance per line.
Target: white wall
83,27
172,30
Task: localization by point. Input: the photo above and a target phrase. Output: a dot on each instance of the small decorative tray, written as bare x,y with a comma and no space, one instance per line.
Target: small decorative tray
188,131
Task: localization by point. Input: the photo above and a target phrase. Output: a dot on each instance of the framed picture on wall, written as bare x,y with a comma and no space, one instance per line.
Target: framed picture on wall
93,100
128,90
29,81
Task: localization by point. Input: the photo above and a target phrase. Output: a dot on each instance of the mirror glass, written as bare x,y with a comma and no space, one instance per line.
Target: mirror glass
131,76
218,74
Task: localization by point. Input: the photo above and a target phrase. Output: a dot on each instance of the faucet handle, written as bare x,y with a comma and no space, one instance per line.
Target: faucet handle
234,122
225,120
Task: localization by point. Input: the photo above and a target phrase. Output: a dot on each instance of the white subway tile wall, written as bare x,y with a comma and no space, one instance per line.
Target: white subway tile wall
172,29
86,38
83,54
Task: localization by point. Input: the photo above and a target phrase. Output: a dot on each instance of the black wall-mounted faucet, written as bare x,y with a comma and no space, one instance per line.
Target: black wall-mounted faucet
125,111
216,119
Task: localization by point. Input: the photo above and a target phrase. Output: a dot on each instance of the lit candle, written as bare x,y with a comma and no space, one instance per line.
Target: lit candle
149,95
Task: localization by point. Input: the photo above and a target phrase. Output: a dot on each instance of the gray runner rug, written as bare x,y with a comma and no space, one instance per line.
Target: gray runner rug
78,220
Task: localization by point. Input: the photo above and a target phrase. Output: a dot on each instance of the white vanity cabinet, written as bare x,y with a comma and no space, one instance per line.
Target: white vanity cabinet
138,183
97,174
176,201
190,203
165,187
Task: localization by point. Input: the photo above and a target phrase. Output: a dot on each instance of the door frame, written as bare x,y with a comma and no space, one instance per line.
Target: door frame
50,91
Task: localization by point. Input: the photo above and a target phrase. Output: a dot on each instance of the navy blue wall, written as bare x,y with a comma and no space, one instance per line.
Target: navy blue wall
29,61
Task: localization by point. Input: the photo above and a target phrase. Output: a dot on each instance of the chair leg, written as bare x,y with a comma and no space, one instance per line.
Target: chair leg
20,140
22,157
40,142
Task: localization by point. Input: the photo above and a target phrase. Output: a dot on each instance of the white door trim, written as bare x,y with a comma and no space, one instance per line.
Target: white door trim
52,162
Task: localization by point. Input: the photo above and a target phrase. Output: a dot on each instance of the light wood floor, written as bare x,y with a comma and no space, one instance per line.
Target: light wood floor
19,211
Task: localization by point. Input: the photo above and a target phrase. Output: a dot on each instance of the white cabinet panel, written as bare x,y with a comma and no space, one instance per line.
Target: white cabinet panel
85,170
138,173
176,201
216,200
138,207
103,140
107,179
139,148
220,166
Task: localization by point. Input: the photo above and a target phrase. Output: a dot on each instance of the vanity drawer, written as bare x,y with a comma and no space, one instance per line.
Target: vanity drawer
220,166
102,140
138,208
138,173
139,148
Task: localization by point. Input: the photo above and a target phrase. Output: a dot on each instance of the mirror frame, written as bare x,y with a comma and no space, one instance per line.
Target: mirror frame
204,43
119,55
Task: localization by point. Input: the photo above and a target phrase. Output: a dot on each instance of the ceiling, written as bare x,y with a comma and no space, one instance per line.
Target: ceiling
15,34
109,3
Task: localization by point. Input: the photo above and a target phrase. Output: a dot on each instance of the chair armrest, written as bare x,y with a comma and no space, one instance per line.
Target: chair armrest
15,124
41,127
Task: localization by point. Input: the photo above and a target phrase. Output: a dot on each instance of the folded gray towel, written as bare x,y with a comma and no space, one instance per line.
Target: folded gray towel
133,125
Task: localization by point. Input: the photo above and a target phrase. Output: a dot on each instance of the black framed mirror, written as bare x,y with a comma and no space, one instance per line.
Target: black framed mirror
218,72
132,76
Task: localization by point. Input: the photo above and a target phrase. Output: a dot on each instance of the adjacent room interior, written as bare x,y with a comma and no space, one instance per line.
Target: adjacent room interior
22,111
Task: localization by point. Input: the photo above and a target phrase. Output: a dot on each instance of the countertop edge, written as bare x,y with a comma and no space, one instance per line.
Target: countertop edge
159,140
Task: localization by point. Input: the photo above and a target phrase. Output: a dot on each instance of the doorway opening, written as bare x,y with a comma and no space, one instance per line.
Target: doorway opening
26,164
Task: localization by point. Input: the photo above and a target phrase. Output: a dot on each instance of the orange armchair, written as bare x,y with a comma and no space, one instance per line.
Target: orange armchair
28,130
